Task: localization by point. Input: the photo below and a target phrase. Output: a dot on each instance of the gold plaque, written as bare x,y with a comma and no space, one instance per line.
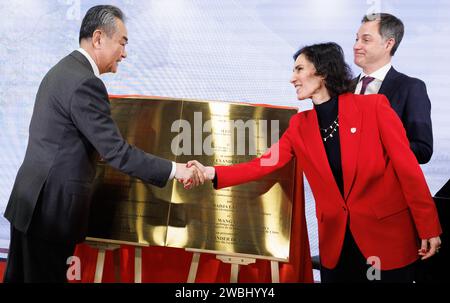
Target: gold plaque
253,218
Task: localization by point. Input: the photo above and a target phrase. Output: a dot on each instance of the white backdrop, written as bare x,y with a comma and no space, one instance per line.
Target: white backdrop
233,50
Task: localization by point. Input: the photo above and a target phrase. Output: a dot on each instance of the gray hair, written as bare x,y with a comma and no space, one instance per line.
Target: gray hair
390,27
100,17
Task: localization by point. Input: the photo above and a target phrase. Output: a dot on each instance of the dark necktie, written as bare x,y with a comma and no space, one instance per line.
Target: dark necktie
365,81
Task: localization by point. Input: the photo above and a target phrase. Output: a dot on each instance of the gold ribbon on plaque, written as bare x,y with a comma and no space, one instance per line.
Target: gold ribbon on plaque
253,218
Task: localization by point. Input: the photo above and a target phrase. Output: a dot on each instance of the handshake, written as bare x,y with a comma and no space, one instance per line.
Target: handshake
193,173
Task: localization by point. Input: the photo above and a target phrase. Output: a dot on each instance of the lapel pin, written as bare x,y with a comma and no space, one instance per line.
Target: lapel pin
353,130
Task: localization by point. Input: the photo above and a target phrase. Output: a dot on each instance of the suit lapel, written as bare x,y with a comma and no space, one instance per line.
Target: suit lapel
316,151
350,135
354,84
389,83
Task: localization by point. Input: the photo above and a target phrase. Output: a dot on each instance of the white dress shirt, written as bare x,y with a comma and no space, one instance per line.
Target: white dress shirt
91,61
375,85
97,74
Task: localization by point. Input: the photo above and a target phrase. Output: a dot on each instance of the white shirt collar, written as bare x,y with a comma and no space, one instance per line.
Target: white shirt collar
91,61
379,74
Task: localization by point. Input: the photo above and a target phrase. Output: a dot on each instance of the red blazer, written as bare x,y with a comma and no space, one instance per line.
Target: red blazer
386,201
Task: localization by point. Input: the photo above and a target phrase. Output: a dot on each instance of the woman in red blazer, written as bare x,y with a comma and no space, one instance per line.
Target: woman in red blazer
373,205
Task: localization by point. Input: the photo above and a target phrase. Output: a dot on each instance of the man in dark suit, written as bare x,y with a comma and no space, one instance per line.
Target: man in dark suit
49,204
377,40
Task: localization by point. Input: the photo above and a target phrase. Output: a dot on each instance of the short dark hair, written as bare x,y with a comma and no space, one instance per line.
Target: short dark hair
390,27
100,17
328,59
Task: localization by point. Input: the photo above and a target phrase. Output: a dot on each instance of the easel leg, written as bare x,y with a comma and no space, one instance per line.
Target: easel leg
234,273
138,265
275,272
99,267
235,262
193,268
102,248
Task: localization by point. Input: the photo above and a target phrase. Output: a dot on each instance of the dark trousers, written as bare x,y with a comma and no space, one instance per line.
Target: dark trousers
33,259
352,268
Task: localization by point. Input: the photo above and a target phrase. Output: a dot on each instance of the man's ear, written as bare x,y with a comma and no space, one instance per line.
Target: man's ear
390,44
97,39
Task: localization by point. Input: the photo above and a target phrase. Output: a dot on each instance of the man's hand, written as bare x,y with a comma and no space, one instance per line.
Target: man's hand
208,171
429,247
189,176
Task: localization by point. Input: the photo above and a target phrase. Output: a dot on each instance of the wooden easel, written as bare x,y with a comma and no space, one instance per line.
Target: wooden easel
235,260
102,247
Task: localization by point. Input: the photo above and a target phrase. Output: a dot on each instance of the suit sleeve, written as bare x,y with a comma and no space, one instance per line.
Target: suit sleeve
410,175
417,121
91,114
276,157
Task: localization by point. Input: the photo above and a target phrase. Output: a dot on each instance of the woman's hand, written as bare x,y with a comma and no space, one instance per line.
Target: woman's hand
429,247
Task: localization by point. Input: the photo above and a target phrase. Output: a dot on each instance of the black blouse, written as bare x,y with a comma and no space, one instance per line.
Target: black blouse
327,114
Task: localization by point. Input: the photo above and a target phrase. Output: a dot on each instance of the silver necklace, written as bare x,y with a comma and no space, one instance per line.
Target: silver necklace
330,130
